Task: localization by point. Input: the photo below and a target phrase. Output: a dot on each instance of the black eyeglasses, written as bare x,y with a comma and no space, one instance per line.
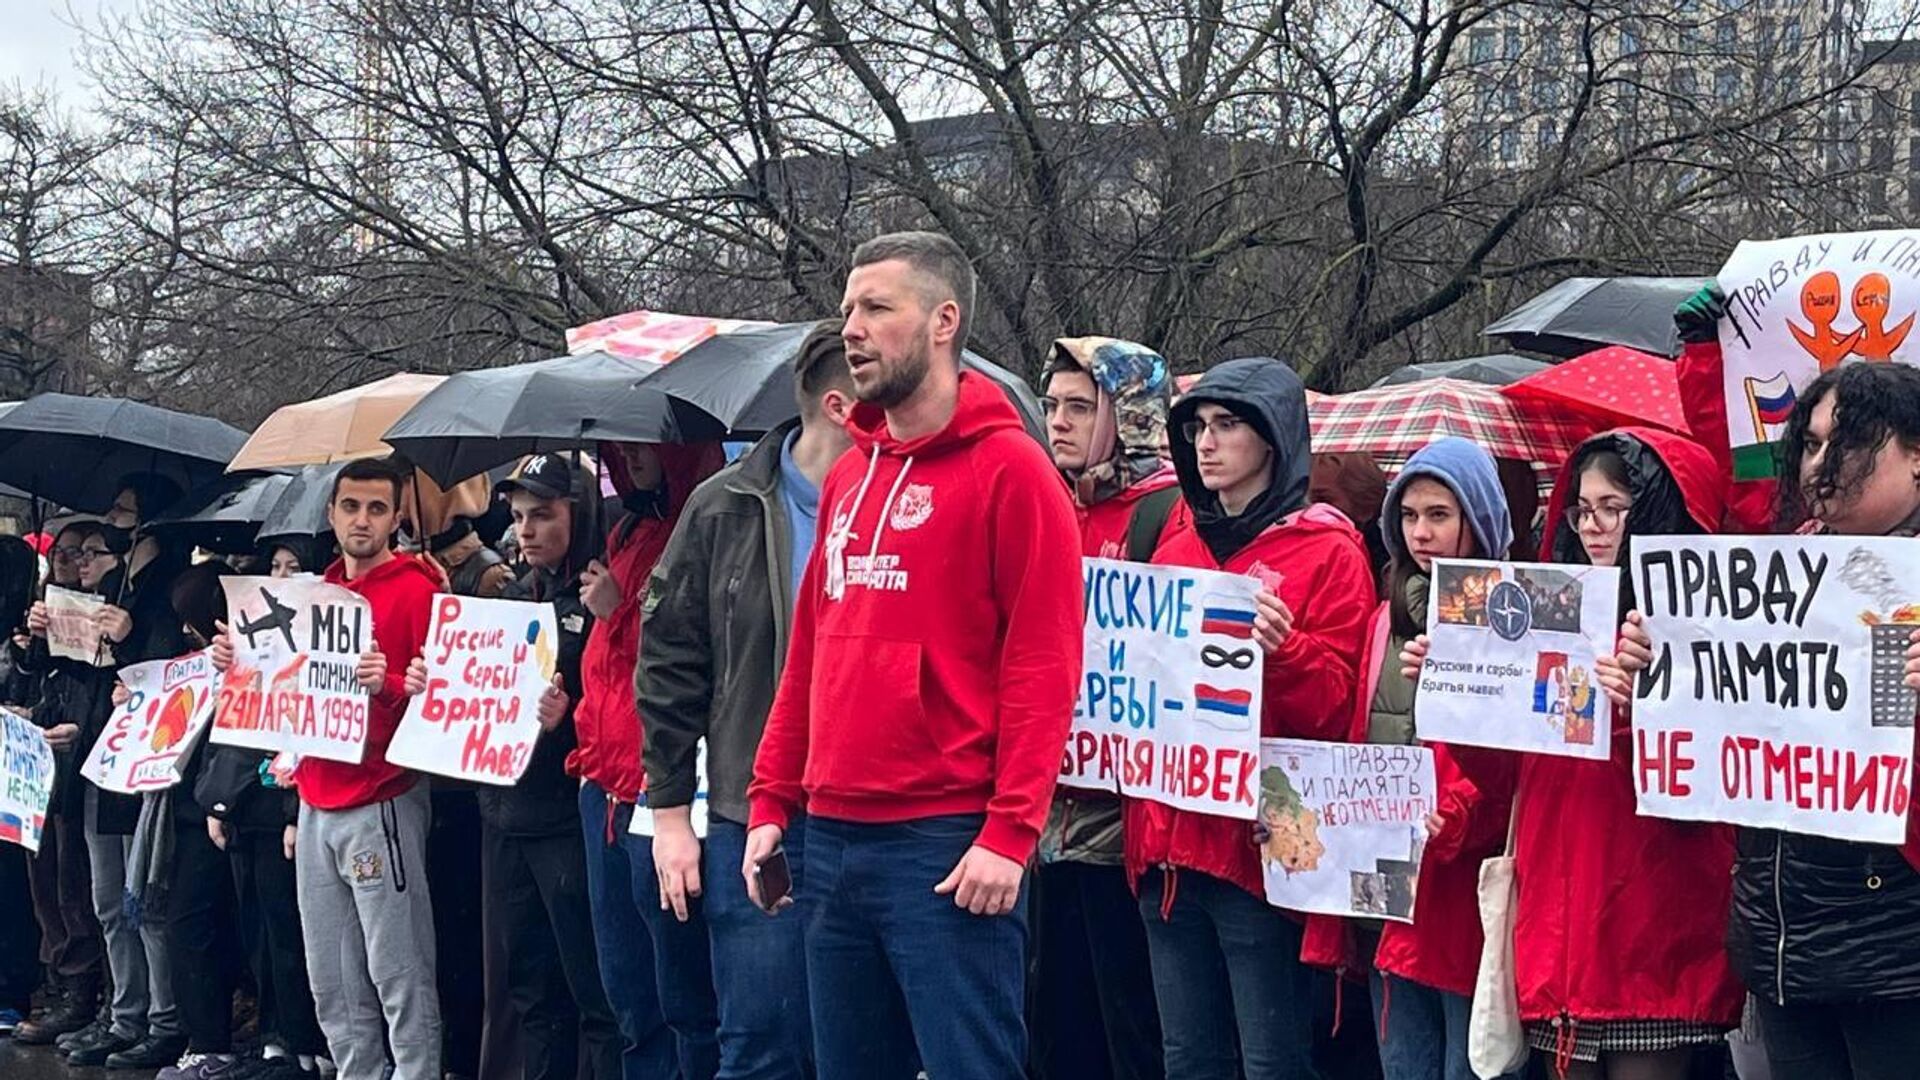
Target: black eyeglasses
1607,517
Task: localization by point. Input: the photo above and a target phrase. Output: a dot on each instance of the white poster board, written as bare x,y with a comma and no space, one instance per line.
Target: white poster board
488,662
26,783
169,703
1345,826
1775,697
293,685
1169,704
642,824
72,633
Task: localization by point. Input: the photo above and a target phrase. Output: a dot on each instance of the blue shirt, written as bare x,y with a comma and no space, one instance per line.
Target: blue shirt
801,499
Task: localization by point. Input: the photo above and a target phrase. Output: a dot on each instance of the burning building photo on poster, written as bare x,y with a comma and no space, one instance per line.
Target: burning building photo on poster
1461,593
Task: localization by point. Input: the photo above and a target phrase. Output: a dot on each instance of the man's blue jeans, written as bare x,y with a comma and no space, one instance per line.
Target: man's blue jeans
893,968
759,963
655,968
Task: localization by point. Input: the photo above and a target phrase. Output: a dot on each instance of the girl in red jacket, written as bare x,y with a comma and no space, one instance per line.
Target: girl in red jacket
1233,993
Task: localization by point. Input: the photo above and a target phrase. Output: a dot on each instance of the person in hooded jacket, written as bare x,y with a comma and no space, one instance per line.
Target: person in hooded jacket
657,970
1226,965
1106,408
1354,484
1446,503
536,867
1604,1009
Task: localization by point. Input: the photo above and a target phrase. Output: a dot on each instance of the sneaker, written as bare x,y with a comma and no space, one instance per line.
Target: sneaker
93,1030
93,1052
65,1019
9,1021
152,1052
201,1067
283,1067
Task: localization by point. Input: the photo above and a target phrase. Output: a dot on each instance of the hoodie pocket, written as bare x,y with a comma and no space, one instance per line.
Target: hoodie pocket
869,725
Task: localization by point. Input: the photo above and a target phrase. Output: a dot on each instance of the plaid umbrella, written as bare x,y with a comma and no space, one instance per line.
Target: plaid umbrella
1612,386
1397,421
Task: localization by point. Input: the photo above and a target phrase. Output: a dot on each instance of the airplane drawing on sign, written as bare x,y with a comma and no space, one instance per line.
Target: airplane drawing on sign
278,617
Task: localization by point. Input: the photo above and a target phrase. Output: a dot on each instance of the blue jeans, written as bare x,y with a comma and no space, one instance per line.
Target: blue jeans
893,968
1422,1031
655,971
1227,972
759,964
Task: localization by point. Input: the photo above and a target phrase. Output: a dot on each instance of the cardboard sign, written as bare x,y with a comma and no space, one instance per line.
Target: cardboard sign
169,704
1775,696
26,782
1801,306
1345,826
488,662
642,824
1169,705
296,646
71,632
1511,665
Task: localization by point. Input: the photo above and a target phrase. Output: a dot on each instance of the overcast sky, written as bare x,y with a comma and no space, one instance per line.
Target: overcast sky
37,40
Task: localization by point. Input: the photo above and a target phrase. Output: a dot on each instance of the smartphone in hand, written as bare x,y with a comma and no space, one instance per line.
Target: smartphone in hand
776,880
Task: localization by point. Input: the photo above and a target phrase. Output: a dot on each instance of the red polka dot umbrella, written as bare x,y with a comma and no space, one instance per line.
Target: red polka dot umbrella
1607,388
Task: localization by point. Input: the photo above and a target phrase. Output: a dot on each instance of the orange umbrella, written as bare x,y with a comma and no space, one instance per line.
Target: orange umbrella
338,427
1609,387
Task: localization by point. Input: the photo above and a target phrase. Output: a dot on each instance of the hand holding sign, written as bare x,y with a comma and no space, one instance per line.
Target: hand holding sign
114,623
1634,655
221,650
1912,676
37,618
553,705
416,681
371,671
1272,622
1413,656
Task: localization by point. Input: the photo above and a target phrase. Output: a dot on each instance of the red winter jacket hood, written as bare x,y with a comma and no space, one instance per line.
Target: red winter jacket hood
606,724
1104,525
1622,917
936,643
1314,560
400,592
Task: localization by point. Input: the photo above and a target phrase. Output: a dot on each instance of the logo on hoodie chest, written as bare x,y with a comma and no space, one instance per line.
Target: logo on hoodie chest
912,508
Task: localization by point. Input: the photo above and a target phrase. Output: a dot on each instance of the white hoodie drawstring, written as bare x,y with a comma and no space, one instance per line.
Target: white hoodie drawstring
842,532
886,511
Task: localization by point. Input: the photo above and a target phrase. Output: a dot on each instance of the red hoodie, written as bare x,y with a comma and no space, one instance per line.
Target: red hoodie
400,592
937,641
606,722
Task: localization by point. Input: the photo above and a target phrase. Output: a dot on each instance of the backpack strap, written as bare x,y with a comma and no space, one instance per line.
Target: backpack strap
1149,520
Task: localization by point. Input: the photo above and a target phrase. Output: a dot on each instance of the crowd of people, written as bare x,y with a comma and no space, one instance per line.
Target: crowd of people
833,679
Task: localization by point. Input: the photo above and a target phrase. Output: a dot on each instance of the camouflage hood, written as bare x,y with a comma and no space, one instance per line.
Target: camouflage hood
1130,432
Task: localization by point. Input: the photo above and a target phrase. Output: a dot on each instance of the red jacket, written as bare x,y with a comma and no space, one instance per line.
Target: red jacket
1441,948
400,592
1103,526
936,646
1621,917
1314,560
606,722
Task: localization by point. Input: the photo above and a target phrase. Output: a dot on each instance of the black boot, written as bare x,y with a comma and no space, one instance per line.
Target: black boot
69,1016
153,1052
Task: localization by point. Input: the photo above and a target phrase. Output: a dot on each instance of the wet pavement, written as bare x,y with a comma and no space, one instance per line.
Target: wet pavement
43,1063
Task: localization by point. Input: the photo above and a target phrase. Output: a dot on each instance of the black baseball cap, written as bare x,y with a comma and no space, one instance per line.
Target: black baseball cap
546,476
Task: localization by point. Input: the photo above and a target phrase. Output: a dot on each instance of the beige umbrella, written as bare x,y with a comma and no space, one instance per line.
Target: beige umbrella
338,427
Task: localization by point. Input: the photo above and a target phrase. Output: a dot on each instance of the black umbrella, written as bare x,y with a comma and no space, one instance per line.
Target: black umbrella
479,419
744,380
1497,369
73,450
1581,314
301,509
224,514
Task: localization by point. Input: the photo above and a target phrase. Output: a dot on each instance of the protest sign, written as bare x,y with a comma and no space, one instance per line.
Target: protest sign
296,647
488,662
1169,705
26,781
1511,659
1345,826
168,703
1775,697
72,633
1801,306
642,824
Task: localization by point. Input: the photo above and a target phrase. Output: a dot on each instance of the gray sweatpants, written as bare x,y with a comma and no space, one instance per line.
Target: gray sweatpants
368,921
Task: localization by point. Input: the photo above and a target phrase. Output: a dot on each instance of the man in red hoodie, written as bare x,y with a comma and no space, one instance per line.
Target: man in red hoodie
927,694
360,853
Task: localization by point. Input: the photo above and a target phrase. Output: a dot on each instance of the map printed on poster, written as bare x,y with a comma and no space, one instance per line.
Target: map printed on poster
296,644
488,662
169,704
1345,826
1802,306
26,780
1169,705
1511,665
642,824
1775,697
72,633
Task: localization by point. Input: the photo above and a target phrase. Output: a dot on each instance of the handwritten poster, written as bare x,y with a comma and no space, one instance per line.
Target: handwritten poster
1511,664
72,633
1169,705
296,647
642,824
488,662
1775,697
26,781
1801,306
169,703
1345,826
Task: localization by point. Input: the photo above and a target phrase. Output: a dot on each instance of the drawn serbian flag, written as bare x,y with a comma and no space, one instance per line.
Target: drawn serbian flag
1225,702
1771,400
1233,622
11,827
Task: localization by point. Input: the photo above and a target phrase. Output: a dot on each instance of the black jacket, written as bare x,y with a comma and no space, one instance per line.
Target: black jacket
1821,920
546,801
714,633
232,784
65,694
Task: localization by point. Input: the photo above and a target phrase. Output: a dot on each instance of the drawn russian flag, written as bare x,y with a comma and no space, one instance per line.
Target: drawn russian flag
1227,622
1226,702
1772,399
12,828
